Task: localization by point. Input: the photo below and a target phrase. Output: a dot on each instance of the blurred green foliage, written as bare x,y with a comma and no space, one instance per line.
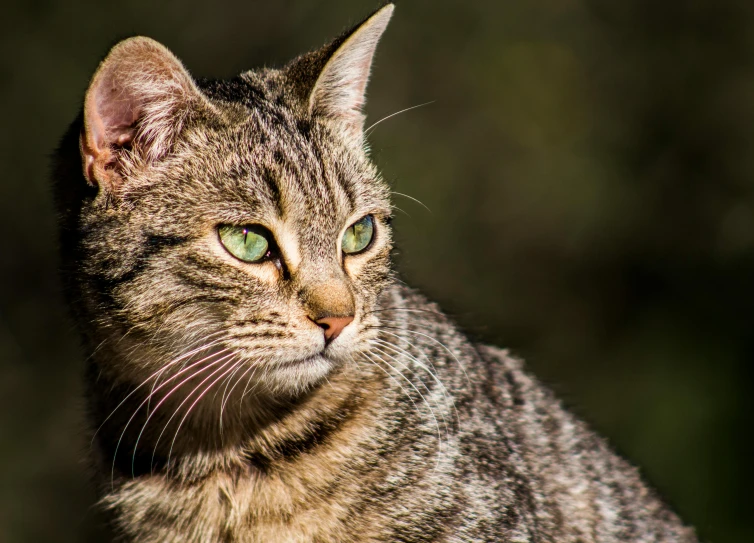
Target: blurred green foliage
589,170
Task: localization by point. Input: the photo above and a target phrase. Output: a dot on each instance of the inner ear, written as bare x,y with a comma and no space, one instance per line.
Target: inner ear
115,113
137,102
111,117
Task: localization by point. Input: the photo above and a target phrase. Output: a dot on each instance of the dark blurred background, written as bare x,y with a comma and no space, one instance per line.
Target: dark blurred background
588,165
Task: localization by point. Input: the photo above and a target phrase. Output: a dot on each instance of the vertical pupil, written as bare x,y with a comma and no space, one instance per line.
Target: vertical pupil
358,235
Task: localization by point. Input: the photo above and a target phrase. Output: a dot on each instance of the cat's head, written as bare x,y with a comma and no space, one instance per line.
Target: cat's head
241,214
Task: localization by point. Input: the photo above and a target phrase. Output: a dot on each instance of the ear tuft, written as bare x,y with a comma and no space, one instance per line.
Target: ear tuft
138,99
339,91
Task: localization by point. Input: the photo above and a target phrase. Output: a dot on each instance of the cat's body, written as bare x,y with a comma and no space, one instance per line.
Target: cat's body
490,457
219,410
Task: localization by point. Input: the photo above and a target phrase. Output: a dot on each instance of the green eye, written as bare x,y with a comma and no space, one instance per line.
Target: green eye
357,237
244,242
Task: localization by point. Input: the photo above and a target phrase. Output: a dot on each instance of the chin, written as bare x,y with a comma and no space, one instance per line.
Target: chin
298,376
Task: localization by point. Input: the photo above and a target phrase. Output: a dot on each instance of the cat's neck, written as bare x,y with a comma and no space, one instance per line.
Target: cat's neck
253,433
284,482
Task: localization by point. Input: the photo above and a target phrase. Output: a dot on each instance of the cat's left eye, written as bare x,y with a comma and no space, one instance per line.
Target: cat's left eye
244,242
358,236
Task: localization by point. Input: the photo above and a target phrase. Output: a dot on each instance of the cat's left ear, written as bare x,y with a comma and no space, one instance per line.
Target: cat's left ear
340,87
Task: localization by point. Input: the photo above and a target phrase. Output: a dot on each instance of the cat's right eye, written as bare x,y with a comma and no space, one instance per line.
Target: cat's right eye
247,243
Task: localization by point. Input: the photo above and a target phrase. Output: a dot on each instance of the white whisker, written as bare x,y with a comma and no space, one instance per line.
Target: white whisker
227,397
429,368
429,392
403,390
228,379
144,402
157,374
246,387
440,343
191,407
227,359
411,383
371,127
412,198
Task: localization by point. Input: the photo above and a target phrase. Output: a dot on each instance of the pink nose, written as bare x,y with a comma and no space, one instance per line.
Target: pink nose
333,326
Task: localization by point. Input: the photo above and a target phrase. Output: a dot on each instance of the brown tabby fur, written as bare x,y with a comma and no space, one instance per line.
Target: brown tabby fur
218,411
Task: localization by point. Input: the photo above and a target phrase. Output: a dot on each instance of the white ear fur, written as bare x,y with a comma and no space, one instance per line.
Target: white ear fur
339,91
139,96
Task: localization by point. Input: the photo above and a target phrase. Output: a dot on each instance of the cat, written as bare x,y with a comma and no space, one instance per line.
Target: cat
257,372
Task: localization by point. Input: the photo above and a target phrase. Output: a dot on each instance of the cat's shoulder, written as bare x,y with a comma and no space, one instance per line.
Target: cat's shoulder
502,358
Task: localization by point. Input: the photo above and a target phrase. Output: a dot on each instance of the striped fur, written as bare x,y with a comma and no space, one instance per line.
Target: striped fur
217,411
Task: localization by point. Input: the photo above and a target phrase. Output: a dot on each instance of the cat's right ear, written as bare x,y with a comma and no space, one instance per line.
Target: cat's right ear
137,102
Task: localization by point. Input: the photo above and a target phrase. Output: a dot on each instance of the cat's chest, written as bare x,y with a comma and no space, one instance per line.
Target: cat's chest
241,509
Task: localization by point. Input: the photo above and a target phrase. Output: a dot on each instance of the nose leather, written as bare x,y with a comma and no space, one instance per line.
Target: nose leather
333,326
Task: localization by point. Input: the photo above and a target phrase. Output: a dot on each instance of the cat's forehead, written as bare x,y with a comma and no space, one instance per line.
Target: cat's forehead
266,157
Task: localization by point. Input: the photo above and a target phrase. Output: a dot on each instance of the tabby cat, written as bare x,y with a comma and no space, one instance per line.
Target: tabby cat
256,371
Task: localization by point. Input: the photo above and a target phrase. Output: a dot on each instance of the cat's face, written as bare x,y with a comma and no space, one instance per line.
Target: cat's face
224,217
